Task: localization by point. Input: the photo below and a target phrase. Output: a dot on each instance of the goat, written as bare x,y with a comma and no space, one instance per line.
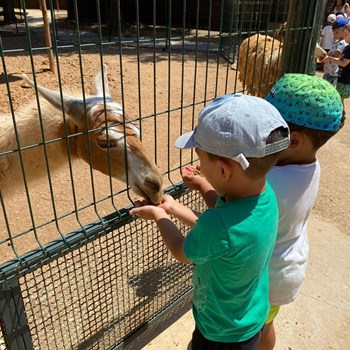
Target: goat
98,121
260,61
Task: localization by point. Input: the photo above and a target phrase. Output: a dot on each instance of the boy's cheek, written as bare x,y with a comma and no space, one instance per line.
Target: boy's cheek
285,154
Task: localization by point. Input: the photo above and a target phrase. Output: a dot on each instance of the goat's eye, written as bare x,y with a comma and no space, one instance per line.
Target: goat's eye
104,144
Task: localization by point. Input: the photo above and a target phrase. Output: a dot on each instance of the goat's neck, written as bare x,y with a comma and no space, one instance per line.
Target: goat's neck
51,126
32,133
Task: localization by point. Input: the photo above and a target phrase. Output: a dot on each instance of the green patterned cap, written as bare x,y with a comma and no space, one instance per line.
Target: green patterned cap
307,101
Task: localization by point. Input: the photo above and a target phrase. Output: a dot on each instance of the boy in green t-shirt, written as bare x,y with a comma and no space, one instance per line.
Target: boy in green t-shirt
238,139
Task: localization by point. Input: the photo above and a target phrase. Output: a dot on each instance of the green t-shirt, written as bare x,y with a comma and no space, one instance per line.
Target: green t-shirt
230,246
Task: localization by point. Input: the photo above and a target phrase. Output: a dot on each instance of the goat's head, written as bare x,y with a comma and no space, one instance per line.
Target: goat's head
108,133
281,32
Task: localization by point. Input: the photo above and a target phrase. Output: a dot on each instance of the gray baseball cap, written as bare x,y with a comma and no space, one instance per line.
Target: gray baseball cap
236,126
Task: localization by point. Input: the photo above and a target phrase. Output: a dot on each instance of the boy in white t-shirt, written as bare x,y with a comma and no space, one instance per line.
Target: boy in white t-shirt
327,34
331,69
313,111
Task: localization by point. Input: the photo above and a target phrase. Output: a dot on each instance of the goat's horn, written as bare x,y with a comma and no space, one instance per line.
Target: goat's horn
73,106
101,83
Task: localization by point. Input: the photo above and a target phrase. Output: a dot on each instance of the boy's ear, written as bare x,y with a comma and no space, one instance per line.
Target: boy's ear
296,139
225,167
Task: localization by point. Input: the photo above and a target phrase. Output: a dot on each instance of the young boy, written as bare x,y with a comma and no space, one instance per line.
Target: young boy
331,69
343,84
326,33
238,139
313,111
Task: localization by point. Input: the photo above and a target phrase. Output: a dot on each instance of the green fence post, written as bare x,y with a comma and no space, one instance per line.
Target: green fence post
304,24
13,319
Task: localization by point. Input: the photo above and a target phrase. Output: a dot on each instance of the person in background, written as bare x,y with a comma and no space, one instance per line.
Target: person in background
340,5
331,69
313,111
238,139
327,33
343,84
340,14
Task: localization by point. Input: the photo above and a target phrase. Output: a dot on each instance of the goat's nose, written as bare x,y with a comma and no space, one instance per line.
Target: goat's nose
153,185
153,188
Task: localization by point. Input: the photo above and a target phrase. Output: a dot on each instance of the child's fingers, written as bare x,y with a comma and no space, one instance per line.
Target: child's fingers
139,207
139,203
140,211
190,170
184,171
133,211
167,198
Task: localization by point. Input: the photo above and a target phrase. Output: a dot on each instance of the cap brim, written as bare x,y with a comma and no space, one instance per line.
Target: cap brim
186,141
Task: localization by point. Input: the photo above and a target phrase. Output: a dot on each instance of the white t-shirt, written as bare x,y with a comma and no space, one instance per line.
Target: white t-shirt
296,188
327,37
330,67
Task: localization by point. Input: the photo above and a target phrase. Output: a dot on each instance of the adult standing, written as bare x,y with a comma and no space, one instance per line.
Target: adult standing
340,5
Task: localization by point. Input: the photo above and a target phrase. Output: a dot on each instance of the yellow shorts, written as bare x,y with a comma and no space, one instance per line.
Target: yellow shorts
272,314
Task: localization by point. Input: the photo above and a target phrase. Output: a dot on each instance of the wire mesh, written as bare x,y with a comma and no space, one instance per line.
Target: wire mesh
86,274
98,294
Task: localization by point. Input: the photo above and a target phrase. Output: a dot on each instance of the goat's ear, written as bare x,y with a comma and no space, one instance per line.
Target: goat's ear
101,82
114,137
72,105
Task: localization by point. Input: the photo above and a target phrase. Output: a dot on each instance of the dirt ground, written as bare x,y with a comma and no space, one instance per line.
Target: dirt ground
200,79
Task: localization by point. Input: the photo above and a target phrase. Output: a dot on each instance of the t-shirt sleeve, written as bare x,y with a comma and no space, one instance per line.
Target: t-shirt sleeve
346,52
208,239
339,46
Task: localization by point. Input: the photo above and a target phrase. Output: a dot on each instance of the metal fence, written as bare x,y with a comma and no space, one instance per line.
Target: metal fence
76,271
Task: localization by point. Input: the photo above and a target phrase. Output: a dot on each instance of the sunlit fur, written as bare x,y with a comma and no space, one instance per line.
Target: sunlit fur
260,61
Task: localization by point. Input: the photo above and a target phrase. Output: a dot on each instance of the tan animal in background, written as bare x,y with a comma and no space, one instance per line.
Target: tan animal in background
260,61
102,119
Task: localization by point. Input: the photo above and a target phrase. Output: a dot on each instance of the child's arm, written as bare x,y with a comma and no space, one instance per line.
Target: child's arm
172,237
194,181
336,54
340,62
184,214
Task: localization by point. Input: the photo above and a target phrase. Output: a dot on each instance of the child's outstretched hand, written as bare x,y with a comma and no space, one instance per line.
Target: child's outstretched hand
147,211
195,181
167,203
192,177
325,59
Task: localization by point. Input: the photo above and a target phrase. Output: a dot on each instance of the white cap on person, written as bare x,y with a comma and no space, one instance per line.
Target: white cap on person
237,127
331,18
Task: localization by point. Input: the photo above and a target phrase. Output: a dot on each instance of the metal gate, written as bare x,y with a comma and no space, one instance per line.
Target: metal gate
77,272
